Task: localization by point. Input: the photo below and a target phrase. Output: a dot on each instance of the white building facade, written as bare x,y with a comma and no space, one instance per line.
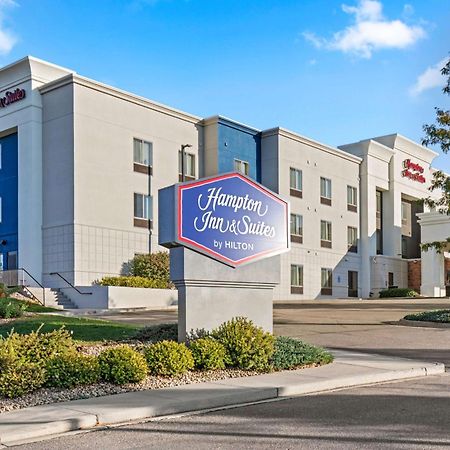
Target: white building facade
82,162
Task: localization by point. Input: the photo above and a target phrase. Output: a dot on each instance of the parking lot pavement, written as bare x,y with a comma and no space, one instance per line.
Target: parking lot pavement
363,325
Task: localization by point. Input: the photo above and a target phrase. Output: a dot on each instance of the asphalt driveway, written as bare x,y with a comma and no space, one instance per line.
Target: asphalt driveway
362,325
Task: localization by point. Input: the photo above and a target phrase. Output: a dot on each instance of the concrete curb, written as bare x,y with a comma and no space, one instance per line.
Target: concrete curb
349,370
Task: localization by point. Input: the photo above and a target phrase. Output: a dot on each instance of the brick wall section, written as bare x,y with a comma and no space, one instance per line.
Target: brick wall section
414,274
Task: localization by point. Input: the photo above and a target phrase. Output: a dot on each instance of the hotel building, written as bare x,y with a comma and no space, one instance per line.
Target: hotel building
81,164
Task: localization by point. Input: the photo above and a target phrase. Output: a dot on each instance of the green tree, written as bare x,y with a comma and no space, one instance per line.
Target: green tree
438,134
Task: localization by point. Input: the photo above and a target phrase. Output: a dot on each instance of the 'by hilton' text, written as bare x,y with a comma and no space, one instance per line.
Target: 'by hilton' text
413,171
12,97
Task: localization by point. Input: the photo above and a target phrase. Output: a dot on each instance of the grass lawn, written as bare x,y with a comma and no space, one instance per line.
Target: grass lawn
31,306
87,330
438,315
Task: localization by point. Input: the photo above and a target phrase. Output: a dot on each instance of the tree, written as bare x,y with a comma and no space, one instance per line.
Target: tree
439,134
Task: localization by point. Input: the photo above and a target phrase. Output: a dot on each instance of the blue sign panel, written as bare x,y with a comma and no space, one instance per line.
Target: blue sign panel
232,219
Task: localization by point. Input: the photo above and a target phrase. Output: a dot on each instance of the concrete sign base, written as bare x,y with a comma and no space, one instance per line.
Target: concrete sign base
210,293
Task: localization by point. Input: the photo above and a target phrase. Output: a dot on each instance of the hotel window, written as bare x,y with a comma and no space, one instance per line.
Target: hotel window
143,156
352,199
352,239
296,279
143,210
326,281
296,182
325,191
241,166
325,234
406,219
189,166
297,228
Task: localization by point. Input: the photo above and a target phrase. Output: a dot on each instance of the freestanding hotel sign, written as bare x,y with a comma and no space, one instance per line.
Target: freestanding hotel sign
232,219
215,227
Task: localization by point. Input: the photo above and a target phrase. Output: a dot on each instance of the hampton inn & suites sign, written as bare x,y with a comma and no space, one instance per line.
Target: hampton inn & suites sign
231,218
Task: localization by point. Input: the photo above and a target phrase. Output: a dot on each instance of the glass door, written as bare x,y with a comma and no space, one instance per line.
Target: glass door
352,283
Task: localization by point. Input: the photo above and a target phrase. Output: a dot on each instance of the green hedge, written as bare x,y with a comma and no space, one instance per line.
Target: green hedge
290,353
137,282
122,365
67,371
208,354
398,292
10,309
438,315
168,358
248,347
155,266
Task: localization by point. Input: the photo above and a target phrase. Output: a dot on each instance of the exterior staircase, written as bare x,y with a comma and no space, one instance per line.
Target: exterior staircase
54,298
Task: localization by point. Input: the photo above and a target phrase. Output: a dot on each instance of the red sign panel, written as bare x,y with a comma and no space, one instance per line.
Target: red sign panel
12,97
413,171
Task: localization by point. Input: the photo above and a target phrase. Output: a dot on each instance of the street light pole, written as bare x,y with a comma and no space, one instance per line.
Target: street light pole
183,159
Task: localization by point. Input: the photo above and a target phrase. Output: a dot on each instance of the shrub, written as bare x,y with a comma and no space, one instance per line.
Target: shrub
10,310
21,377
290,352
37,347
398,292
138,282
168,358
122,365
67,371
157,333
248,347
155,266
437,315
208,354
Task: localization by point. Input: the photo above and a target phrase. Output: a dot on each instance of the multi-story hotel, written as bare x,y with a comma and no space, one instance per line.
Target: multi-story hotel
81,165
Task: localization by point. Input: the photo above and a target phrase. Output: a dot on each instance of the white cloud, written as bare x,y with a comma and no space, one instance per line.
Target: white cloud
430,78
370,31
7,37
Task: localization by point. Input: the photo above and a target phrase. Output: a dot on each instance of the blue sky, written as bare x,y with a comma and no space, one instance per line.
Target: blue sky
335,71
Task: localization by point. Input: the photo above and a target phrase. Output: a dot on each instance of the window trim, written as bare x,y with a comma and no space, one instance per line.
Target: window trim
326,243
295,191
187,177
297,288
328,288
297,238
240,163
138,166
353,207
352,247
143,222
324,199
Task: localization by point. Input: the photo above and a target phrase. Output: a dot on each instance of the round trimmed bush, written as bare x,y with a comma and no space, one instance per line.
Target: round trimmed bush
168,358
67,371
20,377
290,353
248,347
208,354
122,365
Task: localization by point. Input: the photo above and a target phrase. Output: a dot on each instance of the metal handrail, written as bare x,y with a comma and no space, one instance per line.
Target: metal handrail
70,284
23,285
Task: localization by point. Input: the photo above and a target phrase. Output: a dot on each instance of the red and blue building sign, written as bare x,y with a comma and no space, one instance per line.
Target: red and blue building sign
231,218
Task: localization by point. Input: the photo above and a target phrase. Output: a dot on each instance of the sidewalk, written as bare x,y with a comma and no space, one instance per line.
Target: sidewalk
349,369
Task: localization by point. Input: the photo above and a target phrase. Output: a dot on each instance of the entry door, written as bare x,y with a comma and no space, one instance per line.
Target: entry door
352,283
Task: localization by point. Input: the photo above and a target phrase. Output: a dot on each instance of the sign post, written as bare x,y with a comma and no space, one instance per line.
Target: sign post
224,234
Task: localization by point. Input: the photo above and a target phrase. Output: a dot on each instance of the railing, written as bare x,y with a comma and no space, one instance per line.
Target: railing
22,278
70,284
